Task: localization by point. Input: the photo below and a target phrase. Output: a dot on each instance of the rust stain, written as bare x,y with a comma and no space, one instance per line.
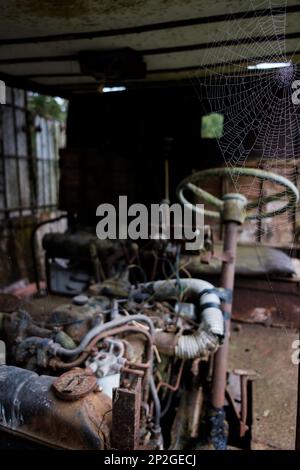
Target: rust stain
74,384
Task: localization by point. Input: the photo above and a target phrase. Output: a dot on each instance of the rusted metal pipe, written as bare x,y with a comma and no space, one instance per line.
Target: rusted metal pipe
227,281
33,248
297,447
56,363
197,399
98,329
138,365
127,370
175,387
59,364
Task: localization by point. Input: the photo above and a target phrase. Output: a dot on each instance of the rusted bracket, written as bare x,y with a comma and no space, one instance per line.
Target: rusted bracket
238,399
126,416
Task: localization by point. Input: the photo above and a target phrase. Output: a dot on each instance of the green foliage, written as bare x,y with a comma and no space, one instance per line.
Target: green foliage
48,106
212,126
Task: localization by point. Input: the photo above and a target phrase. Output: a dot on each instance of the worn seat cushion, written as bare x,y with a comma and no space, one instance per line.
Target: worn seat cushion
255,261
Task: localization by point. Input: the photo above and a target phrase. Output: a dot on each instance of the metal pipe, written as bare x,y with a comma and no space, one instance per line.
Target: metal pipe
175,387
207,337
58,364
227,281
156,402
137,372
59,351
200,292
197,399
297,447
33,250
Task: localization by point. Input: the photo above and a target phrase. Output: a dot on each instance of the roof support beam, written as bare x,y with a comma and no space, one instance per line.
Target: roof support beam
153,27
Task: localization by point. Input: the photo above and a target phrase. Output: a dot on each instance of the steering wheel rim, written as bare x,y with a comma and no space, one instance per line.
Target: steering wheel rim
188,183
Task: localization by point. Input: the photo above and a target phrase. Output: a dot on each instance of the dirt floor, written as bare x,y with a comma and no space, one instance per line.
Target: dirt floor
268,351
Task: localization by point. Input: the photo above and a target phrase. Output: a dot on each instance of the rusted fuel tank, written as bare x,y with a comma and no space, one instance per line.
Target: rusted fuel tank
30,408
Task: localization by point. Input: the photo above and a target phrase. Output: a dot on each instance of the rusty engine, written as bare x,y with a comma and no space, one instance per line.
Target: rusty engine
124,365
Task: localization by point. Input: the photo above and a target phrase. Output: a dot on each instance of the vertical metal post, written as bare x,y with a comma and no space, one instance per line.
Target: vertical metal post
3,162
297,446
31,166
227,281
233,215
16,143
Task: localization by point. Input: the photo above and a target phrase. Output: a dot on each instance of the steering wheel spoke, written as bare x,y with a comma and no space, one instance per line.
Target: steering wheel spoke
289,195
205,196
261,201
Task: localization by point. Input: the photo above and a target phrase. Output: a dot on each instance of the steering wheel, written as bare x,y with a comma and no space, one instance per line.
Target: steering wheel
289,191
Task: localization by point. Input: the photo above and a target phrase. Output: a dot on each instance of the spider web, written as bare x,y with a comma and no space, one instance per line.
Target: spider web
261,123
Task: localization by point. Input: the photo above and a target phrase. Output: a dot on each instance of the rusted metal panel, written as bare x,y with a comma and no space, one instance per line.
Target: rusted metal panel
29,408
273,302
126,417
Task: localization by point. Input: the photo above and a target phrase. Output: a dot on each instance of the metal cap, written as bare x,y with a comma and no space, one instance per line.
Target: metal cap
80,300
